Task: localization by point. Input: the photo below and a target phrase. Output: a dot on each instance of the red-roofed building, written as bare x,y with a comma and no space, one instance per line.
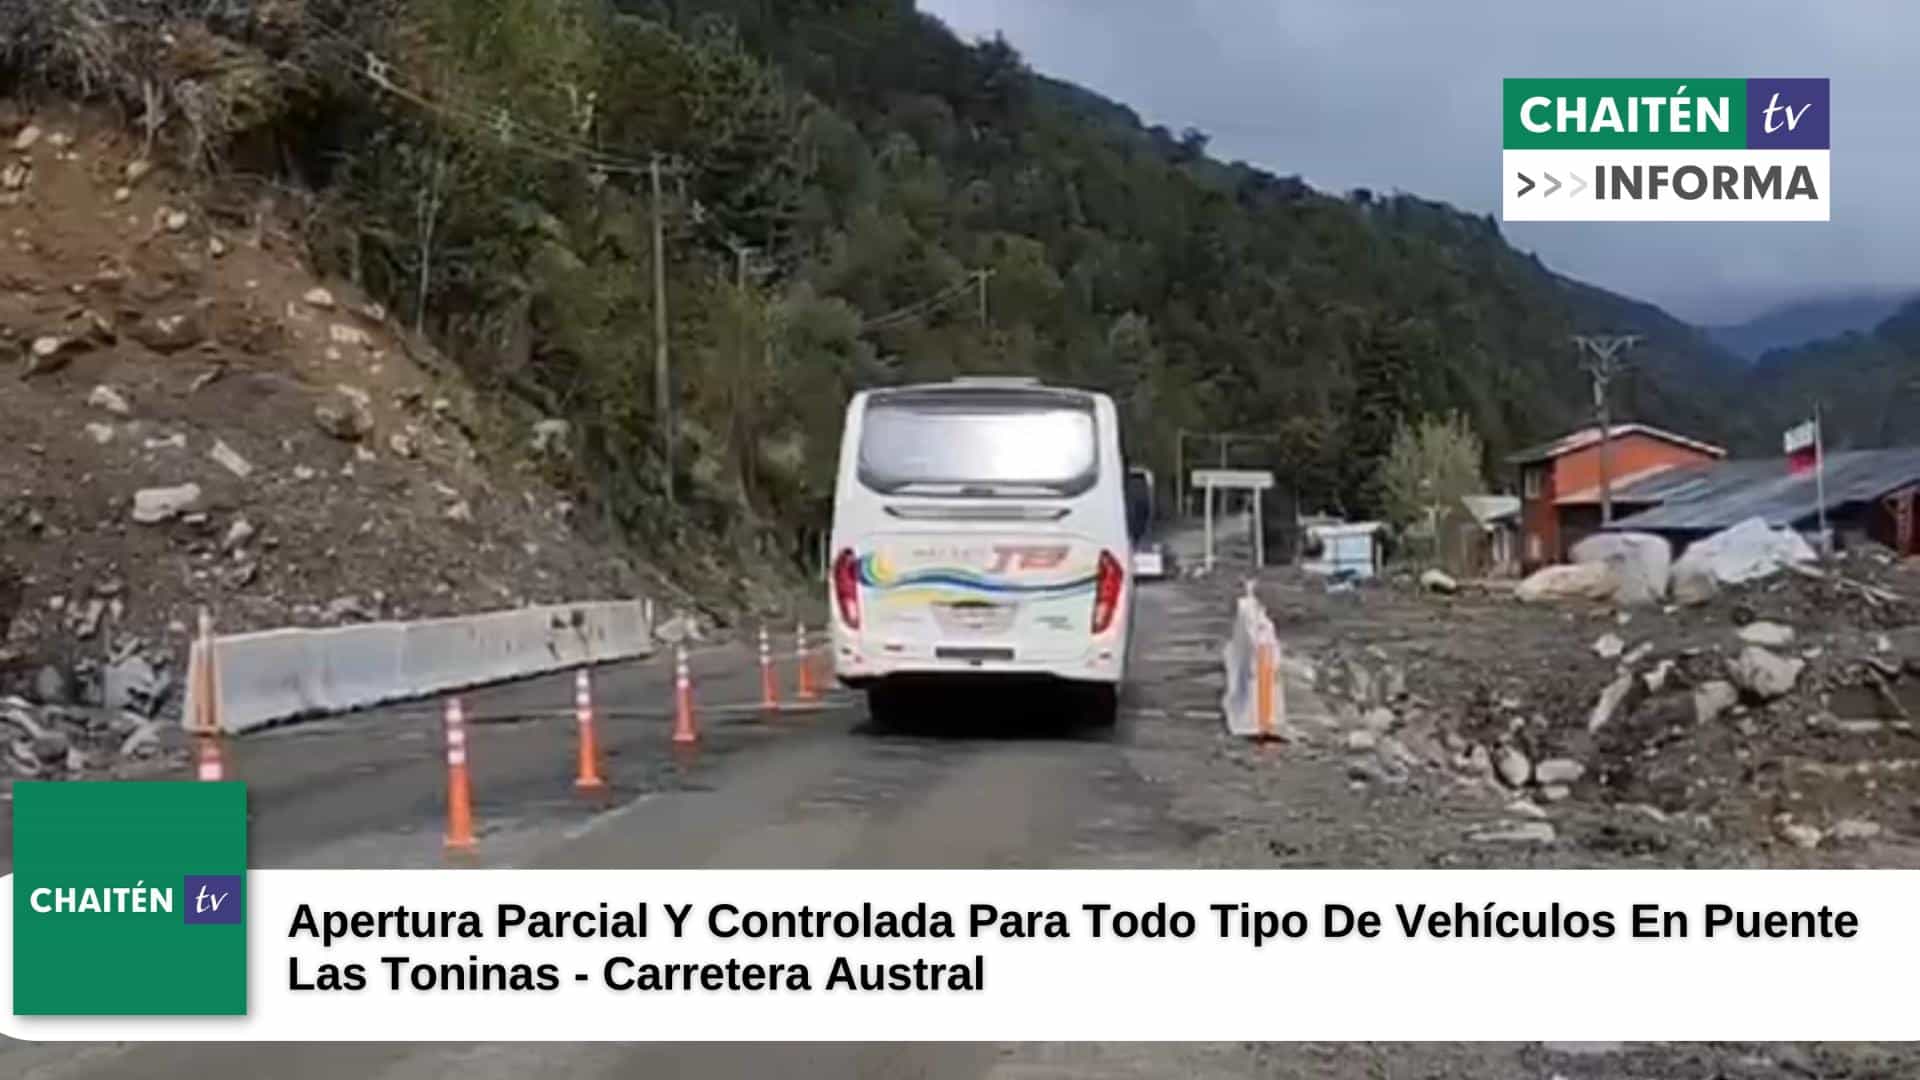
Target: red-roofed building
1560,482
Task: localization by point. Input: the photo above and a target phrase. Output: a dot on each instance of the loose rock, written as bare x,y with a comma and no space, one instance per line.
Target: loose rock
230,459
1528,832
47,353
1558,771
1799,835
681,628
349,607
144,739
319,298
1439,581
343,417
132,684
1612,700
1378,719
1764,674
113,401
1712,699
1856,829
1588,581
1766,633
1637,563
52,747
1513,767
170,333
50,685
238,534
154,505
1609,646
87,620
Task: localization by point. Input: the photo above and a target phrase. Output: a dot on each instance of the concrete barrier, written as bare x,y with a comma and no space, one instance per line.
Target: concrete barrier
277,675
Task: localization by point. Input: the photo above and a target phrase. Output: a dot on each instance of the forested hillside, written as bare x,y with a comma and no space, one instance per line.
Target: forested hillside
838,178
1866,385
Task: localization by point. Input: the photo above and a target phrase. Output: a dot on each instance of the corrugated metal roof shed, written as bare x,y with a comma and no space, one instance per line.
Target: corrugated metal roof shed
1708,498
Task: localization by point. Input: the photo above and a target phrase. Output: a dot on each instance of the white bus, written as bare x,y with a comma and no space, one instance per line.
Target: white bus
981,531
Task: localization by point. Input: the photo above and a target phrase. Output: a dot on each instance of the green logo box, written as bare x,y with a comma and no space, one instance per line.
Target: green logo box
1714,116
105,920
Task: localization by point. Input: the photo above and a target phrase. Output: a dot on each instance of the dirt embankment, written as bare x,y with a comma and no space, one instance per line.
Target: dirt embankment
1777,716
194,420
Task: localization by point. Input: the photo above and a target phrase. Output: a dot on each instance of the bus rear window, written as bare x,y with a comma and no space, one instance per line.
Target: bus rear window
979,443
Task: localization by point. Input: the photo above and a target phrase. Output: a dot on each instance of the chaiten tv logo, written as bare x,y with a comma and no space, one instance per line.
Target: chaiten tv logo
1666,149
129,899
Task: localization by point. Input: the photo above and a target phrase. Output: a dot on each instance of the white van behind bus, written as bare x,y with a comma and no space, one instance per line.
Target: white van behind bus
981,531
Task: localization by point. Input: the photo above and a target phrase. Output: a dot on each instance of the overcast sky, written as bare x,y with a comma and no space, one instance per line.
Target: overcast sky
1405,95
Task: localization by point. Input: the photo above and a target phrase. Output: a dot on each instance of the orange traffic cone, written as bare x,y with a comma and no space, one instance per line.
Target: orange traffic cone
685,731
805,691
205,721
1263,672
769,683
1263,691
589,778
211,768
459,794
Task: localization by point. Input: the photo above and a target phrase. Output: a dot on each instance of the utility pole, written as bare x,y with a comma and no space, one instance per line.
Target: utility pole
981,276
1179,474
662,383
1820,482
1602,362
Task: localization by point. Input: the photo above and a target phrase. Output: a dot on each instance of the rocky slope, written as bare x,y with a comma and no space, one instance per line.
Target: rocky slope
194,421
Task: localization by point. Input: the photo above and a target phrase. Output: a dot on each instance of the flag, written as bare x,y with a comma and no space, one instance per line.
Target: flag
1803,447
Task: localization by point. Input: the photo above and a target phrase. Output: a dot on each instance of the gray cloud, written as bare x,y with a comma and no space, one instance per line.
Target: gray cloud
1405,95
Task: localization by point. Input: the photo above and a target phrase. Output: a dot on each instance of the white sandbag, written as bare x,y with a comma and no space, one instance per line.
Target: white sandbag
1640,563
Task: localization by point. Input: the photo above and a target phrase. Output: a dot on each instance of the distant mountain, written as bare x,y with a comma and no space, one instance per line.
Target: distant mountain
1804,321
1867,385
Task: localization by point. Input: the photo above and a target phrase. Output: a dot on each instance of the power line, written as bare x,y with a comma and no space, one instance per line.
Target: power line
927,305
498,121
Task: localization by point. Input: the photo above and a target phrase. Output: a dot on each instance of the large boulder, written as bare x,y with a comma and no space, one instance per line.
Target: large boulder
1582,581
1746,552
1765,674
1640,564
